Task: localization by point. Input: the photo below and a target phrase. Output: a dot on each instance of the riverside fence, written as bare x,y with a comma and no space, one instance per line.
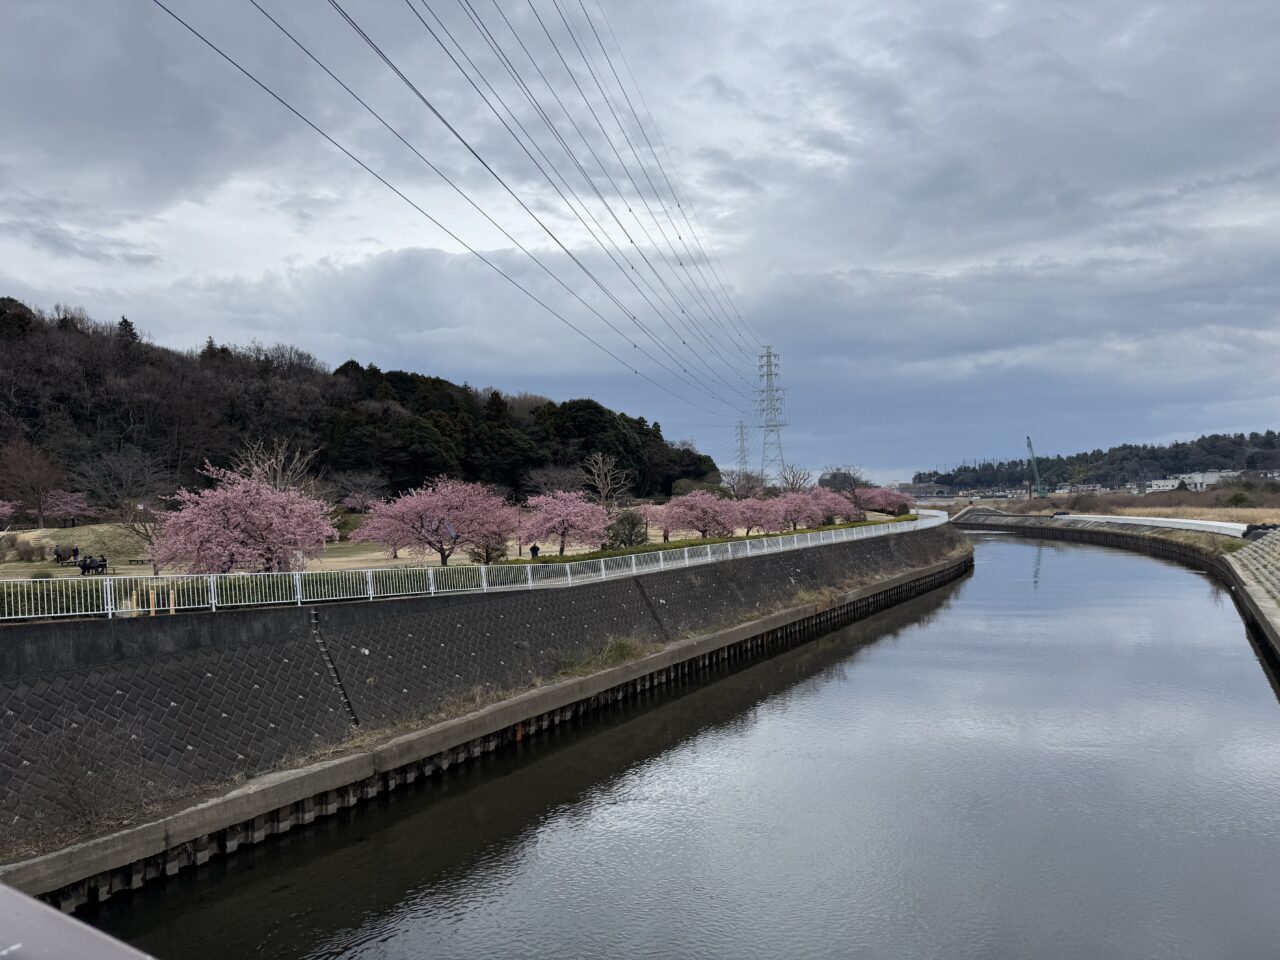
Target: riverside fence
135,596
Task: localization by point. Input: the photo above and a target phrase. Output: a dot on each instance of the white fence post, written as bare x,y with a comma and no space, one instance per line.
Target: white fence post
297,588
662,563
213,593
484,578
633,564
368,580
568,572
603,575
431,580
528,574
108,595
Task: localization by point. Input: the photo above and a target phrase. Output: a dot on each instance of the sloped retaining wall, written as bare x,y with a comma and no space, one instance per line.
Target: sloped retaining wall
291,680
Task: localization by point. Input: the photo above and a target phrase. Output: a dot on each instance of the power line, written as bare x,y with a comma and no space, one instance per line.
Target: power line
612,146
695,222
497,49
688,320
453,236
686,279
373,45
555,168
730,330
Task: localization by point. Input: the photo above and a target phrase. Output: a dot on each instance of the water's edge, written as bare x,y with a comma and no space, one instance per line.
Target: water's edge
279,802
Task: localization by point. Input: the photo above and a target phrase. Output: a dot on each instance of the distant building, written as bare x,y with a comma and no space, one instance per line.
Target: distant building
1207,478
1201,480
925,489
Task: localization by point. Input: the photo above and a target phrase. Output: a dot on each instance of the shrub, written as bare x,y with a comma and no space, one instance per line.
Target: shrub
28,551
628,529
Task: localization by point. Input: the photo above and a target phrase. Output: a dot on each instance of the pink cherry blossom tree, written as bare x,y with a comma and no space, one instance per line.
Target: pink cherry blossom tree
65,506
491,535
833,506
797,510
755,514
7,510
440,518
709,515
882,500
565,517
242,522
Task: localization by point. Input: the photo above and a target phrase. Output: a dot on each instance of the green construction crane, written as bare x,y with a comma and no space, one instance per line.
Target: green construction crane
1039,489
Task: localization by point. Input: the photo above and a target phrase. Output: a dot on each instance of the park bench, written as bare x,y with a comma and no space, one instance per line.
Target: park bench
138,563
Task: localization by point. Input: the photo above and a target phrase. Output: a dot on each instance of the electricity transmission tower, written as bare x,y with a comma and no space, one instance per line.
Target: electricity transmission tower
771,422
743,465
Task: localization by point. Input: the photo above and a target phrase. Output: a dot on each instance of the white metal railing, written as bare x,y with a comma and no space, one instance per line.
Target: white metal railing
134,596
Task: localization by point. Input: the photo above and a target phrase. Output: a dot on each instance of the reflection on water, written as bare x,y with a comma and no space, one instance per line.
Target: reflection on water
1072,754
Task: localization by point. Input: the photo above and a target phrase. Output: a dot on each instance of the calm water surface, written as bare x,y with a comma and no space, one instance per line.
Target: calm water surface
1073,754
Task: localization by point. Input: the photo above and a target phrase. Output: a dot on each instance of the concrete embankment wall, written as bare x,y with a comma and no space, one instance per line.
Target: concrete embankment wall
104,715
1257,608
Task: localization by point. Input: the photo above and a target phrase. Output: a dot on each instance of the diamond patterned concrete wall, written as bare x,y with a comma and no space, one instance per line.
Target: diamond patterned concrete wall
98,716
192,700
406,658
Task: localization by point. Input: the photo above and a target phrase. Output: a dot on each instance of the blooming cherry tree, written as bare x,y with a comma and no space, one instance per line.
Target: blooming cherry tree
7,509
882,500
242,522
565,518
798,510
759,515
66,506
709,515
834,506
441,517
490,536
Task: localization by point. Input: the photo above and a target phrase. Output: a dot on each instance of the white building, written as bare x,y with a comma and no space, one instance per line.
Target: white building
1202,480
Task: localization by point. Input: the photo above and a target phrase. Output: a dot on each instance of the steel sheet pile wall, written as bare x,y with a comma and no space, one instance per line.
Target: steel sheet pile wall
101,715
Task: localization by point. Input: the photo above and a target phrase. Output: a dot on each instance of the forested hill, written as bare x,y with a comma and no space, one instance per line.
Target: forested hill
1127,463
80,389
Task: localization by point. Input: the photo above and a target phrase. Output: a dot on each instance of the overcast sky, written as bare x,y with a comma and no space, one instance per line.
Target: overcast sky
957,222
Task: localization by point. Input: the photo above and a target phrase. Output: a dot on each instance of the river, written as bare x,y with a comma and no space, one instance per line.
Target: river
1074,753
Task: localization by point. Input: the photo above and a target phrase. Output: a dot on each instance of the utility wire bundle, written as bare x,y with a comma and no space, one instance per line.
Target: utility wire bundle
603,159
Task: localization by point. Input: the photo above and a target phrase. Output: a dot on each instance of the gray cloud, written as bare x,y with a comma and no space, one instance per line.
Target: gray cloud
958,223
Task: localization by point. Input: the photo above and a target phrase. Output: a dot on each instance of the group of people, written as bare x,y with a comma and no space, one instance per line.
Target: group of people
87,563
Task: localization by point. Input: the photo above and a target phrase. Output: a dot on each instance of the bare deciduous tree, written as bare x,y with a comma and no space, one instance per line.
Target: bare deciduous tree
130,486
604,479
741,484
359,490
842,478
554,479
281,464
793,479
28,476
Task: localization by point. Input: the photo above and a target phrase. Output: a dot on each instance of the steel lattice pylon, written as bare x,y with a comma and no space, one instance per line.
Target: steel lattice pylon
743,464
771,423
